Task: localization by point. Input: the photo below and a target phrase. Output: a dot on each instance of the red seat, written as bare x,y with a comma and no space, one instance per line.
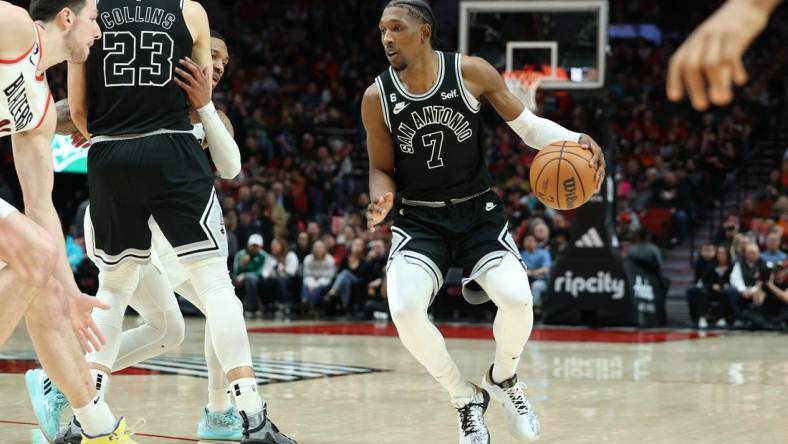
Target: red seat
657,221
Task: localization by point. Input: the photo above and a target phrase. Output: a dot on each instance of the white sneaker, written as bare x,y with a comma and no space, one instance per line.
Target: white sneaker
721,323
522,420
470,417
703,324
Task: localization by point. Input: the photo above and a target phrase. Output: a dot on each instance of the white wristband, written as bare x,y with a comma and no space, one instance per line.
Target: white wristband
538,132
206,110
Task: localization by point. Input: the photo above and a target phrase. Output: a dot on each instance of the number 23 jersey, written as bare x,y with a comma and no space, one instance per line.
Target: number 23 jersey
438,147
130,86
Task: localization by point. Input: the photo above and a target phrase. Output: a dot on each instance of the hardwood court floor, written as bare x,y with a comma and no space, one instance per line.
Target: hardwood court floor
589,387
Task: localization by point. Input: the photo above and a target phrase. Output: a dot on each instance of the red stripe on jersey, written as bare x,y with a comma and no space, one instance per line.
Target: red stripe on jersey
19,59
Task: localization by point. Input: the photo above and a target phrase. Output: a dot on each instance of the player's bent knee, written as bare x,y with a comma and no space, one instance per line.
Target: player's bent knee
175,329
507,284
410,289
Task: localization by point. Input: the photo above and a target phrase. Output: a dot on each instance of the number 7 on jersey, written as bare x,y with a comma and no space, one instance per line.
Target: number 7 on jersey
435,142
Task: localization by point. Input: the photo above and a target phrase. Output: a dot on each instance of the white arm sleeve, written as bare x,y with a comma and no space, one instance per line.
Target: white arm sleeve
224,151
538,132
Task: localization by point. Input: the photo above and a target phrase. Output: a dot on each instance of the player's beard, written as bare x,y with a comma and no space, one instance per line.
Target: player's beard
75,52
400,67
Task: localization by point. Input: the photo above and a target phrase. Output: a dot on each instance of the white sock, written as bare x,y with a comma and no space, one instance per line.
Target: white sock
246,397
101,380
95,418
219,399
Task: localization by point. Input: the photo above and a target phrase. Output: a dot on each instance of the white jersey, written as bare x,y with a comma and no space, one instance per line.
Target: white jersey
24,96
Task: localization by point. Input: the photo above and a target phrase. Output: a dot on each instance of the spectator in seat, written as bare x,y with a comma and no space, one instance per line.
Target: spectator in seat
354,274
729,229
747,280
247,269
538,261
776,303
695,293
303,246
376,305
319,271
542,234
644,253
281,265
669,192
773,253
716,287
740,242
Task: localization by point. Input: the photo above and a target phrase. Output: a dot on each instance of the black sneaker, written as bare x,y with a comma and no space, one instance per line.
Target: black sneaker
259,429
70,434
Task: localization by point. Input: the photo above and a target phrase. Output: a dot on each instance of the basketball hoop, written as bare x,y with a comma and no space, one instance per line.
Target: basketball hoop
524,84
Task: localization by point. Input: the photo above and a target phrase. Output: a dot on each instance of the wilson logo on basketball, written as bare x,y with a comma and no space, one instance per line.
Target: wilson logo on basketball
570,191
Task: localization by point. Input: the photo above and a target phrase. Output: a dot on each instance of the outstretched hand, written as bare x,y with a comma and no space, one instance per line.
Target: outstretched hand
377,211
80,309
710,60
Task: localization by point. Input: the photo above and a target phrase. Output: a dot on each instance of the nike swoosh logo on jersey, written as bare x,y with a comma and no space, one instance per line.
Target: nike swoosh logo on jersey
490,206
400,106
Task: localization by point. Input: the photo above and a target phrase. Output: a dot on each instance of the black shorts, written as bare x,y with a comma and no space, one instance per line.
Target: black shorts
166,177
473,235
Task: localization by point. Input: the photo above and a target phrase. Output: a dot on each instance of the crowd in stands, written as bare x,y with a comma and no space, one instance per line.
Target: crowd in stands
742,278
297,236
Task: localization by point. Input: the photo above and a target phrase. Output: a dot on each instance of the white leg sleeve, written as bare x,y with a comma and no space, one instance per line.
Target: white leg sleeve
215,292
410,290
115,289
164,326
507,286
219,398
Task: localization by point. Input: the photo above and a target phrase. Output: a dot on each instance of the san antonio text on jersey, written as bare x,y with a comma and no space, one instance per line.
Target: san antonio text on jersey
436,136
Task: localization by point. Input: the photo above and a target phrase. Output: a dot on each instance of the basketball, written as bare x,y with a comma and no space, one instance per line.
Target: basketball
561,177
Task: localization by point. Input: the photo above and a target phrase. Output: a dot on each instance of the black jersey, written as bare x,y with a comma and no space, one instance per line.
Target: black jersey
130,87
439,154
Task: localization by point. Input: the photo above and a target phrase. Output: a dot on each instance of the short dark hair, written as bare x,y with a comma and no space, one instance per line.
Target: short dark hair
47,10
216,35
419,9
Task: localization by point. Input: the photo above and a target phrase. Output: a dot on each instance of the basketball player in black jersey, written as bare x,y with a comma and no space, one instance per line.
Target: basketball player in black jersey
423,137
146,163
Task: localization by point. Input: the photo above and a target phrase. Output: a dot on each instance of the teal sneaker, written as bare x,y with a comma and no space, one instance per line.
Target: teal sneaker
47,400
220,426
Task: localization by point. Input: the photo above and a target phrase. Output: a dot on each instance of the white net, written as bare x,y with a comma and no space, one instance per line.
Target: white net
524,85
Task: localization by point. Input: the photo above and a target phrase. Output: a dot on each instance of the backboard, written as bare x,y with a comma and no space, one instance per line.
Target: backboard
565,39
